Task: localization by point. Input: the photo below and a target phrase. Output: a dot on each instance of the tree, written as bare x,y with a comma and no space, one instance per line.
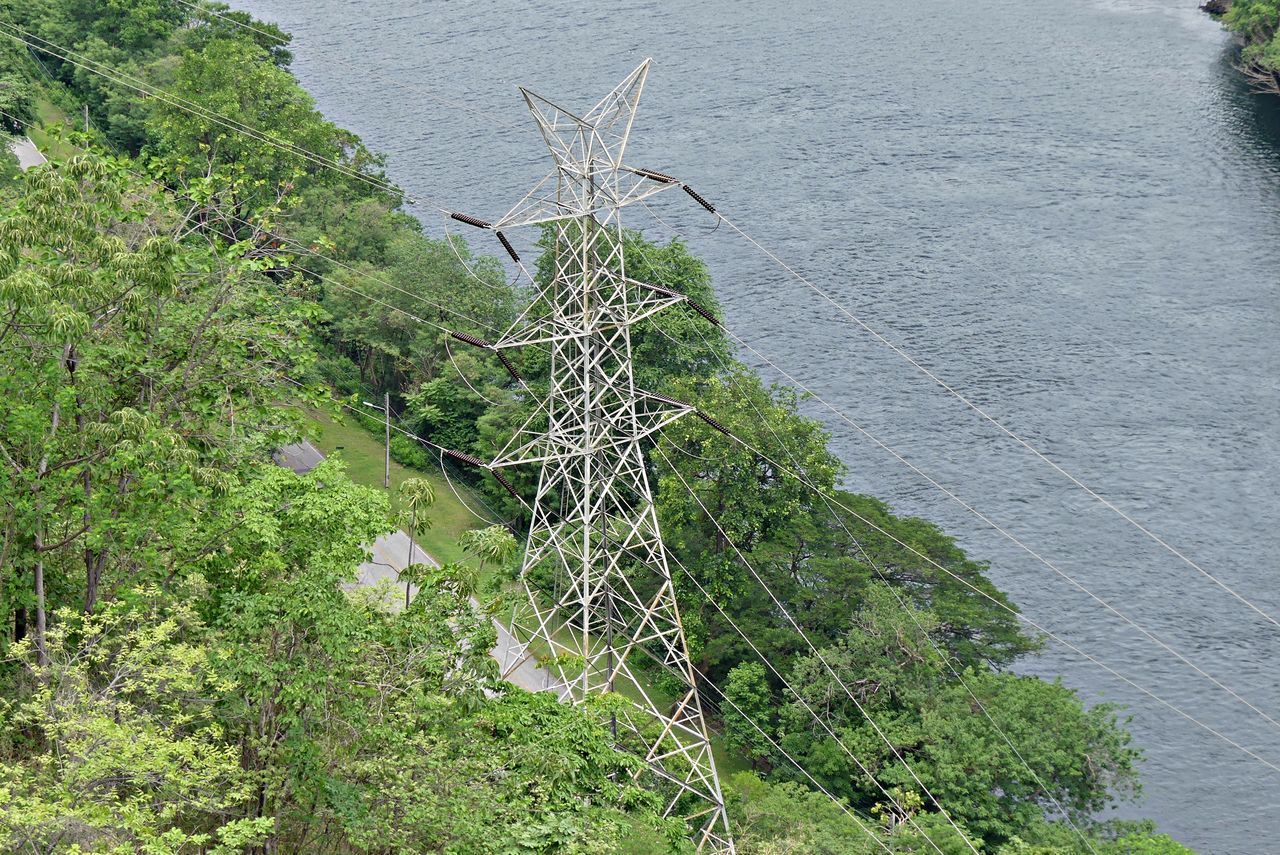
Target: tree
748,499
134,25
288,140
220,21
774,819
127,753
17,103
492,545
678,343
748,711
137,368
1257,22
416,496
1059,755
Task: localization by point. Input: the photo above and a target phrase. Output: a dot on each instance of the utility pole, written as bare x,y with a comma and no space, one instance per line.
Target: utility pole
386,421
613,621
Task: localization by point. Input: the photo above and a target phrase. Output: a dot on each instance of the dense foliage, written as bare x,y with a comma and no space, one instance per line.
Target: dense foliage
183,668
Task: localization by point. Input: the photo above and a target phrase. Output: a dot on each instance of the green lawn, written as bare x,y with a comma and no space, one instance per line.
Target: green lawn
48,115
363,454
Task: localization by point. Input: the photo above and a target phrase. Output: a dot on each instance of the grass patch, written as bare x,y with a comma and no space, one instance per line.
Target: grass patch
48,115
363,455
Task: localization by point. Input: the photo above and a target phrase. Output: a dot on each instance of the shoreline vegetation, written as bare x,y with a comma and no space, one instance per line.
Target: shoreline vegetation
1256,25
179,668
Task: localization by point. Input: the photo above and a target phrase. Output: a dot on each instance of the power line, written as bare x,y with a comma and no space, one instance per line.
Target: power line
145,89
1007,431
827,500
986,520
786,613
1014,612
902,353
1005,606
1011,537
944,655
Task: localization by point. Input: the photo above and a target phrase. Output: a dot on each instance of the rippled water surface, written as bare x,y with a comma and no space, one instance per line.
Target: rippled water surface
1067,209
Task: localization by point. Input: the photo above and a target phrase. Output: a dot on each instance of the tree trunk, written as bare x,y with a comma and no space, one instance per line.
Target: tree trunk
42,655
92,564
92,577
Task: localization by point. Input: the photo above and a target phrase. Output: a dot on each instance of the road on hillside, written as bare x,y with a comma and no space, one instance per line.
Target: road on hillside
390,554
27,153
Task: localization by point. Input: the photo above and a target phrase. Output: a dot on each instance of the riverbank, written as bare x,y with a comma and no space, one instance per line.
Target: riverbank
1256,24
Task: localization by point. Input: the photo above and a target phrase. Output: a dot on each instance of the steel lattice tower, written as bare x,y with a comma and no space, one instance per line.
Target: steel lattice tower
594,529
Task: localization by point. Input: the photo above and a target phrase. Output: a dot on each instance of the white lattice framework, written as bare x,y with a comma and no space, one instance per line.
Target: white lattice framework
594,535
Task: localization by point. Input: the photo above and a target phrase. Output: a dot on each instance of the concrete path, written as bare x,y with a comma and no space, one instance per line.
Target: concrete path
301,457
390,555
28,154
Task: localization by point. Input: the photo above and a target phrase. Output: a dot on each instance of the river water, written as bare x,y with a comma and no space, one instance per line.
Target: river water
1067,209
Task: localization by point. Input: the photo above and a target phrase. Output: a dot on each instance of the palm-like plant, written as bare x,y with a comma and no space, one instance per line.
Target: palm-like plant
416,495
494,544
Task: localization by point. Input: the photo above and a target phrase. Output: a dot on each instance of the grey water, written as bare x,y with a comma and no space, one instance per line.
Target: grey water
1066,209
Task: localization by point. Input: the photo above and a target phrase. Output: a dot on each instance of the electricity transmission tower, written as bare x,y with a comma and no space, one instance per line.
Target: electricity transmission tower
600,592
